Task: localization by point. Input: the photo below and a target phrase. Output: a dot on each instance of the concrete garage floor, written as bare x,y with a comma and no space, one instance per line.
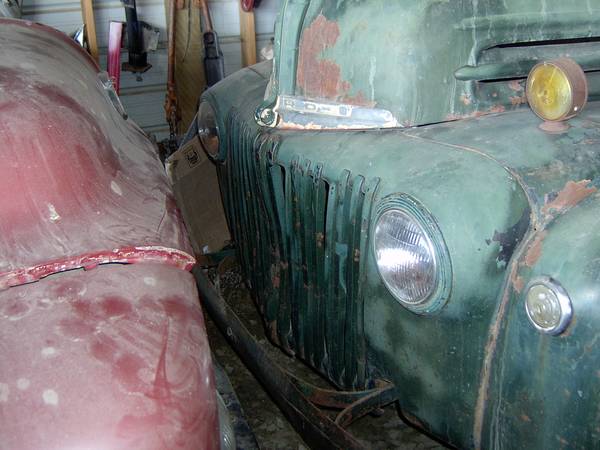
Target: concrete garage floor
268,423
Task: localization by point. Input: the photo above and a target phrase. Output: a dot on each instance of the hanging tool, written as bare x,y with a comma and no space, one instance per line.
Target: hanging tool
138,57
113,60
214,64
171,107
249,5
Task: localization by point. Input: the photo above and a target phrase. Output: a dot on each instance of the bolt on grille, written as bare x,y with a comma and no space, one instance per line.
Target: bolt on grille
302,241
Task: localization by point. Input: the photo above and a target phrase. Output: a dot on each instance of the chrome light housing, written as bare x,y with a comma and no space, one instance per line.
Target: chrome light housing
411,255
548,305
208,129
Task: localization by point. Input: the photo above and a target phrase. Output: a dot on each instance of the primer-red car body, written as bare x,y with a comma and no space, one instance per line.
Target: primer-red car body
102,340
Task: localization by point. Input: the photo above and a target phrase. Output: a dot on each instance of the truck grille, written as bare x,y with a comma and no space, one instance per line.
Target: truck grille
302,240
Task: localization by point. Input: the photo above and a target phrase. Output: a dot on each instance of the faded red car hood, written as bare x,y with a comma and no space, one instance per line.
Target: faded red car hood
111,358
80,184
87,364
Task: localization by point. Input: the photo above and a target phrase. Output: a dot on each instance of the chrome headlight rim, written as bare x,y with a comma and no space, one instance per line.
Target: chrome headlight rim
216,153
415,211
564,301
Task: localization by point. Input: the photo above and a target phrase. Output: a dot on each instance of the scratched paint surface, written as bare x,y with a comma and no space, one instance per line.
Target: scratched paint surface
76,177
505,195
87,364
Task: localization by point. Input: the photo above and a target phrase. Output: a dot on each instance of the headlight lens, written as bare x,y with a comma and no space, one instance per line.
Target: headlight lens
548,306
208,130
405,257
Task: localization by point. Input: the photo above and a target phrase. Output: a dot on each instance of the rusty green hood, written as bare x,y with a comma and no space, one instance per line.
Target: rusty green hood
373,64
544,163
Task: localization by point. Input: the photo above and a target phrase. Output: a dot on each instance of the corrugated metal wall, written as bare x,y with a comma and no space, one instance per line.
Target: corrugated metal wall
144,99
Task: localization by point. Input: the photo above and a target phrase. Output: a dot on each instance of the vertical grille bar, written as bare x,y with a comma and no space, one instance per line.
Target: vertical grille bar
307,219
258,224
336,302
271,299
365,220
264,217
228,181
330,279
249,209
244,206
281,189
352,215
300,316
320,194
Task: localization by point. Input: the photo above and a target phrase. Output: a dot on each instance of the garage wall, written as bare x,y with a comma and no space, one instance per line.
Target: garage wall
144,99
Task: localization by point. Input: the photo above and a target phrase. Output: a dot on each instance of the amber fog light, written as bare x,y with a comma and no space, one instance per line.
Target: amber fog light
557,90
208,130
548,306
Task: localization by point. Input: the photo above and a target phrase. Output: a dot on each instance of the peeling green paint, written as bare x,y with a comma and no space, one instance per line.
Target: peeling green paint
427,59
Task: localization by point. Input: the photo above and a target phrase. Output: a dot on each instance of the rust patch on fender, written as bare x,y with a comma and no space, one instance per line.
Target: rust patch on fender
275,276
572,194
492,110
518,100
535,249
486,370
515,85
319,77
518,283
414,420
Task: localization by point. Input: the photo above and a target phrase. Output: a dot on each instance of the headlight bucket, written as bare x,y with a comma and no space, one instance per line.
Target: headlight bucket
411,255
208,129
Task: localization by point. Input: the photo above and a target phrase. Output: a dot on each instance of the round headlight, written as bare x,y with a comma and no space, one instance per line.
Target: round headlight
557,90
405,257
548,306
208,130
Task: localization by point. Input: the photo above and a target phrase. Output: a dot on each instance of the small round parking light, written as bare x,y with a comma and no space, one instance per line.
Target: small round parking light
556,91
548,306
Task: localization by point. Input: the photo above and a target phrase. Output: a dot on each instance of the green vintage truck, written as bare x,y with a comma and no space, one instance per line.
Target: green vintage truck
412,187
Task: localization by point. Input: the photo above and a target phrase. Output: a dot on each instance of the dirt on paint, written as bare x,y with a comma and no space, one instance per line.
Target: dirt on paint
272,429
